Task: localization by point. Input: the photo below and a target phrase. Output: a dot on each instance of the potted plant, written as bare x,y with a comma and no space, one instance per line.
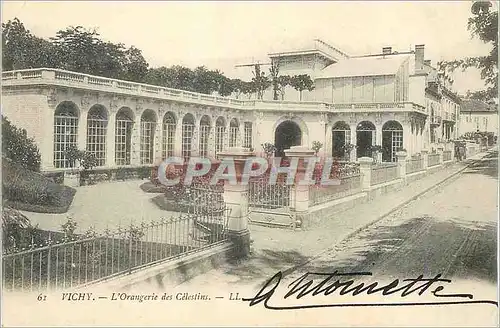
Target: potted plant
316,146
72,176
347,148
269,149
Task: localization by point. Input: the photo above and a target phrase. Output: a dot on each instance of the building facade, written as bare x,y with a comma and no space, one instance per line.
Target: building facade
477,116
375,100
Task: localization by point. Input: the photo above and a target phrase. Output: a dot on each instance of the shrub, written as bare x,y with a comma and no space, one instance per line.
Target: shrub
18,148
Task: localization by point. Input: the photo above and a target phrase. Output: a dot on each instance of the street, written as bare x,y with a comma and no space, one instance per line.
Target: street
450,231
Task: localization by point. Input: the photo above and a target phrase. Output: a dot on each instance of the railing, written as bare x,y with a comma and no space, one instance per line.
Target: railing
266,196
414,165
64,262
436,120
71,78
384,173
433,160
446,155
347,186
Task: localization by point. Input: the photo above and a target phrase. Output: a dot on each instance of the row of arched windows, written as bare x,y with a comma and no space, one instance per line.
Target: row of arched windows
392,139
66,134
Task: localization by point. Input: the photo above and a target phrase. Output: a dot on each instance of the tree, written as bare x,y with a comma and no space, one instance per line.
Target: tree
302,82
260,81
283,82
135,67
81,50
22,50
274,75
18,148
484,25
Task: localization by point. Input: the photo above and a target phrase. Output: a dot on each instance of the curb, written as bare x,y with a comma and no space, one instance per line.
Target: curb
291,269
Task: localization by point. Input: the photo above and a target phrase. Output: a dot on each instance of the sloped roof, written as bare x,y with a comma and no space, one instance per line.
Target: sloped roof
473,105
364,66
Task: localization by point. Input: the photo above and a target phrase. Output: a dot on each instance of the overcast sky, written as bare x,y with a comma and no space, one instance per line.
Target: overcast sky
222,34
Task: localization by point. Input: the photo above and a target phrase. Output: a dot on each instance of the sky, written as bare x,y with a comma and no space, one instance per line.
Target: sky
223,34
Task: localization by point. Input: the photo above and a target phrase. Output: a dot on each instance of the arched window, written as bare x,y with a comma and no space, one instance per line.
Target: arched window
365,138
220,131
204,135
234,132
392,140
169,127
65,132
341,136
97,124
123,135
148,126
187,135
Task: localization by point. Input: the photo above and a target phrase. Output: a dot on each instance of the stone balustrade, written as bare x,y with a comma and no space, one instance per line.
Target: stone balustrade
57,77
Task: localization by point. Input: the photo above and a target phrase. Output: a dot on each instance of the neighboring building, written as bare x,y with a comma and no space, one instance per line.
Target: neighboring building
383,99
443,104
477,116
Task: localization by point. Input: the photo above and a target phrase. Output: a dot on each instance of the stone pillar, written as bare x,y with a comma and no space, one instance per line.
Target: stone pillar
327,148
157,148
195,140
425,158
110,143
354,141
135,147
300,193
401,156
378,135
440,150
81,142
365,169
178,139
236,199
211,142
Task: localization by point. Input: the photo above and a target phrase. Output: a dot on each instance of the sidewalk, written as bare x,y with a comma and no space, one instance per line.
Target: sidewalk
278,249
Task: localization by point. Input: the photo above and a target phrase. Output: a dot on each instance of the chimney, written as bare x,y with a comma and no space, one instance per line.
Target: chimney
419,57
427,62
387,50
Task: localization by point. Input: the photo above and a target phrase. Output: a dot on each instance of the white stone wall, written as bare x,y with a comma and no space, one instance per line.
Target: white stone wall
29,109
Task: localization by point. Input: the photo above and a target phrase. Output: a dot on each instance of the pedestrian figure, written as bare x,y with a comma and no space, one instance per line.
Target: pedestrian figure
462,152
458,154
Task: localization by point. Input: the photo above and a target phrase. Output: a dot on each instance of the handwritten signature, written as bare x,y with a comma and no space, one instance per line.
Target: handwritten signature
332,282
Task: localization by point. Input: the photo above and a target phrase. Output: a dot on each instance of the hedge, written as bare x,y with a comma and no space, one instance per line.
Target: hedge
32,191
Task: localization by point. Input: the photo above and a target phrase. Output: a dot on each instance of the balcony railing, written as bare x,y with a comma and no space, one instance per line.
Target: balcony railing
51,76
436,120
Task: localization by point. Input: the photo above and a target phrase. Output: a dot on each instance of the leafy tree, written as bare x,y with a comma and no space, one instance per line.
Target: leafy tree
18,148
302,82
283,82
135,67
484,25
274,76
81,50
22,50
260,81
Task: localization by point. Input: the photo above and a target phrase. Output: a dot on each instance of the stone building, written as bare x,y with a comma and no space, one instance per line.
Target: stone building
477,116
383,99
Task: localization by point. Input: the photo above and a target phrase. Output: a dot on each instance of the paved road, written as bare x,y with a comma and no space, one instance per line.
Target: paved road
452,231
